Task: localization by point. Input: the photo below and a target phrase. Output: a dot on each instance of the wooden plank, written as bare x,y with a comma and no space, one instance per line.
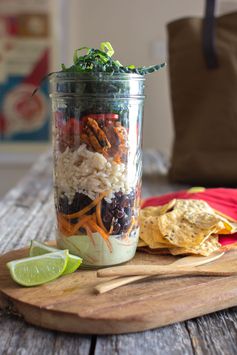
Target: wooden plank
170,340
215,333
36,185
17,337
26,212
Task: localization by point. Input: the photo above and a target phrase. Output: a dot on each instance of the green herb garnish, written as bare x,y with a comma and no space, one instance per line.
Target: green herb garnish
100,61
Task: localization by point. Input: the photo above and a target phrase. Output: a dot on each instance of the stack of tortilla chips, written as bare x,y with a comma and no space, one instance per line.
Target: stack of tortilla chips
182,227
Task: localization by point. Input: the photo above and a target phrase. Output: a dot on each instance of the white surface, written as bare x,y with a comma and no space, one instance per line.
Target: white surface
226,6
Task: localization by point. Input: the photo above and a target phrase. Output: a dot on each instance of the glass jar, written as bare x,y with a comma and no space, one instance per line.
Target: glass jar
97,128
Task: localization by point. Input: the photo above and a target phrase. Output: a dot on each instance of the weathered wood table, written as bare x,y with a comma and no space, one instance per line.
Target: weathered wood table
26,212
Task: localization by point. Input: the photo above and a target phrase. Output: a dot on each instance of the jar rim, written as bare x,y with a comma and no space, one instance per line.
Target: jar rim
101,97
92,76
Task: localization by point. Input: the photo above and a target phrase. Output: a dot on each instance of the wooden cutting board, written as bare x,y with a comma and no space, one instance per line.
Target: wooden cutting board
69,304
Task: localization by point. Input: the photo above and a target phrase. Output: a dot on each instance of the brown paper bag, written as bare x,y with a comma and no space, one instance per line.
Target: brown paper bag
203,83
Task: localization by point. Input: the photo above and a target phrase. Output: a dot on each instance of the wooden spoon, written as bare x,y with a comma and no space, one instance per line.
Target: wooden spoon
188,261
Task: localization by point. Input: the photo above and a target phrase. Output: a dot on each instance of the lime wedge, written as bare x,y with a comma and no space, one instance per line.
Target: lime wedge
39,269
38,248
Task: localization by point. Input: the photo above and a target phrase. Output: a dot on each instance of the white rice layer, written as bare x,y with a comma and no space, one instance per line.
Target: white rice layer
89,173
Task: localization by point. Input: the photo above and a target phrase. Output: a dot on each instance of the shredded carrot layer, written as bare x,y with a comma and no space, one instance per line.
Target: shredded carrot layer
93,217
130,227
87,208
89,222
64,231
98,216
104,235
98,229
80,223
89,233
64,225
111,226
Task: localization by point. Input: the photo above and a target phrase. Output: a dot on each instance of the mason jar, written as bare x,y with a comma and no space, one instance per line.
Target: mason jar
97,130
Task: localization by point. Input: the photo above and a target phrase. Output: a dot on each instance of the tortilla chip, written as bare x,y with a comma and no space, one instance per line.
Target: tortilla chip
190,224
150,211
168,206
206,248
203,220
230,219
196,207
157,210
183,226
149,229
229,226
193,206
153,238
180,232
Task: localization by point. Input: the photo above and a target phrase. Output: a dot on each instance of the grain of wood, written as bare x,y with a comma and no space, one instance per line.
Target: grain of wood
18,338
171,340
214,334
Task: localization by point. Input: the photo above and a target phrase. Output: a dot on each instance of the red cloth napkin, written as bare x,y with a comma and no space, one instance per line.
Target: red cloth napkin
221,199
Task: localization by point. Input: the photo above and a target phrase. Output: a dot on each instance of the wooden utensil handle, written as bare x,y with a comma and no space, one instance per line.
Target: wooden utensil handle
188,261
121,281
136,270
129,270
